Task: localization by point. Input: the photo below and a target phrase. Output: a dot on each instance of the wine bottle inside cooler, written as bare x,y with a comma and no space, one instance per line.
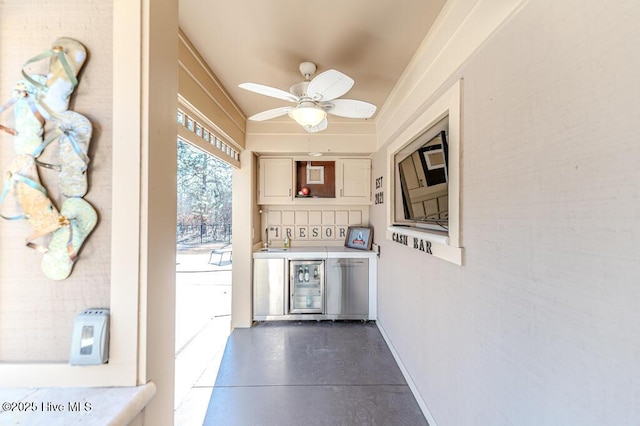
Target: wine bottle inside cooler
306,274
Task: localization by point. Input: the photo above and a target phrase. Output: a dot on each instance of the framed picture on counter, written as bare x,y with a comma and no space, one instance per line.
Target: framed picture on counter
359,237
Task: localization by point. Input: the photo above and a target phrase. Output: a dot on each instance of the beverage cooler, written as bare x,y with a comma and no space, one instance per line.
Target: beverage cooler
306,285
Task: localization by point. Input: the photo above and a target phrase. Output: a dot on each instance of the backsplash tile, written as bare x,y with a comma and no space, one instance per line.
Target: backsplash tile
315,216
342,217
302,217
328,217
288,217
275,217
312,226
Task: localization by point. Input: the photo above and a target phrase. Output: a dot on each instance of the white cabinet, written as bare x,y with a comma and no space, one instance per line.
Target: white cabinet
354,180
276,181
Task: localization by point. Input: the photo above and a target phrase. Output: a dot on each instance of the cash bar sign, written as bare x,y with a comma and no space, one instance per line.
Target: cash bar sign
418,243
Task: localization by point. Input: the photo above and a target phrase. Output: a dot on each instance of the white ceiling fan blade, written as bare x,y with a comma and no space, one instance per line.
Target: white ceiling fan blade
351,108
268,91
329,85
270,113
320,127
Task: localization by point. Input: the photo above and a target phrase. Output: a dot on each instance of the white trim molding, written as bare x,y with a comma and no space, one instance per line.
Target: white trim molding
447,245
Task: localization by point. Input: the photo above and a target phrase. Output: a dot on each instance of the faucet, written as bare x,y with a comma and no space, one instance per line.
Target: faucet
266,242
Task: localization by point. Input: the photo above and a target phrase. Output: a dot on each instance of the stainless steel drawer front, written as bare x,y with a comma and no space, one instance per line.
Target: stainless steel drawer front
347,287
269,287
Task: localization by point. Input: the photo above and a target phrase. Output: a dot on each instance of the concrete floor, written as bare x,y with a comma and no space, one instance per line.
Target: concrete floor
310,373
277,373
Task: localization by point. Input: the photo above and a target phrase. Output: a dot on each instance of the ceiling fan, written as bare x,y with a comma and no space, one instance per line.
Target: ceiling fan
314,98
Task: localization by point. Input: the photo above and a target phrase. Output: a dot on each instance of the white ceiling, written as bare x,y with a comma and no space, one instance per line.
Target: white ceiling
264,41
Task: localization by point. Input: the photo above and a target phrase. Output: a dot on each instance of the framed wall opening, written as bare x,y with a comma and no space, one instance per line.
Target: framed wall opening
421,176
430,230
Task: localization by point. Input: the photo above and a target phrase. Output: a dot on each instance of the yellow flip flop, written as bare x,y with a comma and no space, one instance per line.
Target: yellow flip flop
23,182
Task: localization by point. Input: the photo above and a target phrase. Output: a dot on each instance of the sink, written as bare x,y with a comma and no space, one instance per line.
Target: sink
273,249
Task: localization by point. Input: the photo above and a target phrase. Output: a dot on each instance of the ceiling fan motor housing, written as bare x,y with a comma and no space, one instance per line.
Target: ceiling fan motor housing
299,89
307,69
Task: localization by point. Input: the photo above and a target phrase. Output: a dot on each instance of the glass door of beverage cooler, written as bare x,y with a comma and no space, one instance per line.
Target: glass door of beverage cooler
306,287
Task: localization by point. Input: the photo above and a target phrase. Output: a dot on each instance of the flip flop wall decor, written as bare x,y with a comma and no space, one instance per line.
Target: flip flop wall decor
66,58
39,99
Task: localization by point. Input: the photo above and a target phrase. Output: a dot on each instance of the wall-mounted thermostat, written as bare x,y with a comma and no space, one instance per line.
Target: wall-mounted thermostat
90,341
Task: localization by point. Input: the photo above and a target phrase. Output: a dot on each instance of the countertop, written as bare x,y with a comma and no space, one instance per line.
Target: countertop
66,406
321,252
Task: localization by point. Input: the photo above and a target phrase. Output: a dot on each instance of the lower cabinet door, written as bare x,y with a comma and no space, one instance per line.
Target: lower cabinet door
347,287
269,278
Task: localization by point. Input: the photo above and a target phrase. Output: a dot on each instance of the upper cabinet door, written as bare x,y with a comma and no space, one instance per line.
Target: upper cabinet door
354,180
276,181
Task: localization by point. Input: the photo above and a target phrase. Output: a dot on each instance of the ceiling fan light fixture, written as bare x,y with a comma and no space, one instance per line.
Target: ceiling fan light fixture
308,115
315,98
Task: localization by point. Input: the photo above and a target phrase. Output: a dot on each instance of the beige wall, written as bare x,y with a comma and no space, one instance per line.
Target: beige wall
36,314
539,324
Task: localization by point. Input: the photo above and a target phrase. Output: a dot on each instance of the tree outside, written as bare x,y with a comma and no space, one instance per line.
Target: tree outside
204,197
203,285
